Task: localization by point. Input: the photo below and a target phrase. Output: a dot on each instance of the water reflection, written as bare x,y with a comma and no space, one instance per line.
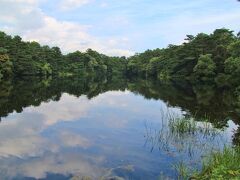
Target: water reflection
95,128
186,139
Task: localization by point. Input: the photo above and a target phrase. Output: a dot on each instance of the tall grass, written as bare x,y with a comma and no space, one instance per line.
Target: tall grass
183,171
189,126
181,136
182,126
221,165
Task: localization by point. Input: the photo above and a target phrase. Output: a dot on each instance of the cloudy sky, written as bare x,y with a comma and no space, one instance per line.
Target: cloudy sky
115,27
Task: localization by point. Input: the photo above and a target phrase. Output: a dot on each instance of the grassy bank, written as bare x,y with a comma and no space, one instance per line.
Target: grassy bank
221,165
218,165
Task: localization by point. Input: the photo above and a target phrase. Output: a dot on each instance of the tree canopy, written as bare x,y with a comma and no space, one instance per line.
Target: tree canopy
204,57
200,58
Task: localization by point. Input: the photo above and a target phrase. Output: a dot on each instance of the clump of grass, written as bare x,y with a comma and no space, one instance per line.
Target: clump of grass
196,139
189,126
182,126
183,171
183,134
221,165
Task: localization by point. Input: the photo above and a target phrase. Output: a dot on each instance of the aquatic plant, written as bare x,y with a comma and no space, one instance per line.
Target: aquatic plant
190,126
180,126
182,134
183,171
187,137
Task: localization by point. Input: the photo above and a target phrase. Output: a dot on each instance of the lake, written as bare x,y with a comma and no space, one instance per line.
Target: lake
76,128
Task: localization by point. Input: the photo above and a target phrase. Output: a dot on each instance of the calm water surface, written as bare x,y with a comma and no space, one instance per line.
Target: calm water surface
116,133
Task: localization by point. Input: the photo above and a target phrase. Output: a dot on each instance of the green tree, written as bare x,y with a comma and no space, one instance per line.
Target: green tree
234,49
232,66
205,68
5,64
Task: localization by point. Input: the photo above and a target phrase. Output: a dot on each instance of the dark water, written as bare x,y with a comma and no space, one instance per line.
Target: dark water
103,129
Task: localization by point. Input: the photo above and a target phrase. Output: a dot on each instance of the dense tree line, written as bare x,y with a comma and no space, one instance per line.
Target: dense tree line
30,58
201,58
5,63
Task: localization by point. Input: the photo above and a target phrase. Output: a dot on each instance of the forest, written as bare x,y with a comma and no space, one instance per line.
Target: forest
204,58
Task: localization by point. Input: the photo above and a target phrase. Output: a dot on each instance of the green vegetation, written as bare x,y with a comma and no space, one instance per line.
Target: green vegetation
221,165
183,137
196,139
202,58
182,126
205,68
217,165
5,64
183,171
30,58
186,126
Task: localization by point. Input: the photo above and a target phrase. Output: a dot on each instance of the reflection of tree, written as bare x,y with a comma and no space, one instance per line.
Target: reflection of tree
217,104
185,139
5,92
204,94
236,137
202,101
185,136
21,93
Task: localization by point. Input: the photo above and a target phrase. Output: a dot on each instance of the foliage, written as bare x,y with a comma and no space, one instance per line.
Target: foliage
205,68
204,58
182,126
221,165
5,64
30,58
232,66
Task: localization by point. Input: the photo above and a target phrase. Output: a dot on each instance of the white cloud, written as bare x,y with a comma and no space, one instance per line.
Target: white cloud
27,20
71,36
72,4
104,4
174,30
20,16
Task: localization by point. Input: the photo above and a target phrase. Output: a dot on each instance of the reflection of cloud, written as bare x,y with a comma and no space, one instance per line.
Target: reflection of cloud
69,108
20,137
19,146
72,140
21,134
65,164
42,140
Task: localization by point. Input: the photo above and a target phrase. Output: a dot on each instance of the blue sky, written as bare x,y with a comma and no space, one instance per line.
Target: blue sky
115,27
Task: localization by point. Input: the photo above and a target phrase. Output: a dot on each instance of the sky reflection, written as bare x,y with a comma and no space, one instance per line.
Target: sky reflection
101,137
